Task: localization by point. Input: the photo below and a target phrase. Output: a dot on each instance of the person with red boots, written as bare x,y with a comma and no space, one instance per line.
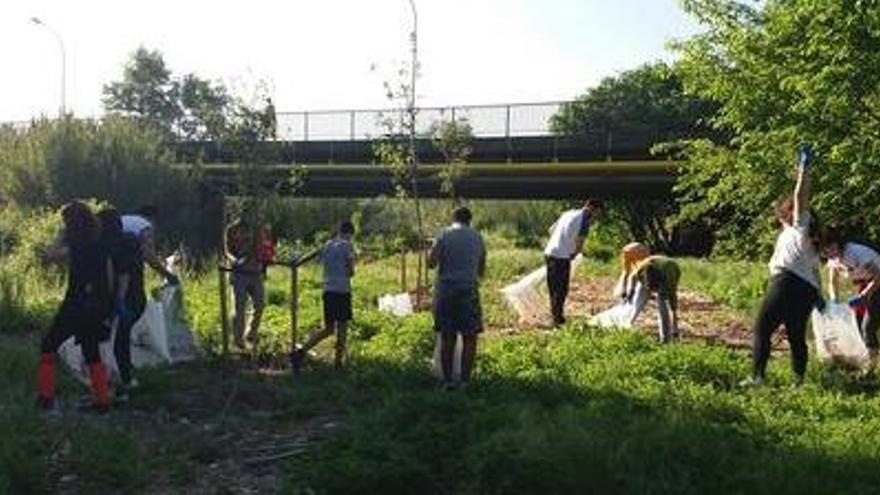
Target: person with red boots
86,309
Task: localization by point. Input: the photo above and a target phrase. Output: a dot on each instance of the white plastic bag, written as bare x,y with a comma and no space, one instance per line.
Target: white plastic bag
524,297
456,357
149,337
624,314
71,354
838,338
396,304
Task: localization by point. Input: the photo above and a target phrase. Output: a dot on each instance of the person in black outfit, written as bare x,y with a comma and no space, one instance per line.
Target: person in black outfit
794,288
129,297
86,308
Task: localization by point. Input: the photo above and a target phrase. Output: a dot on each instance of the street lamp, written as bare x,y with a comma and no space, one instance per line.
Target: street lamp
37,21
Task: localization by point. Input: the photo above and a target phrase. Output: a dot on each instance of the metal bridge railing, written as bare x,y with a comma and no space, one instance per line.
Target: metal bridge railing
502,120
506,120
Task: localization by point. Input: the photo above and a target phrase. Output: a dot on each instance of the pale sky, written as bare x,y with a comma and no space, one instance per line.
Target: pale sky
318,54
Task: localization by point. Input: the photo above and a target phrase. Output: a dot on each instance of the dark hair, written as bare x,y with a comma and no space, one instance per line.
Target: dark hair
831,234
111,223
148,211
346,227
80,224
462,215
785,210
595,204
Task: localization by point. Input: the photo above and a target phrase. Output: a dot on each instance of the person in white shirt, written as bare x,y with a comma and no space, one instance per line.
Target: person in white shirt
142,225
567,237
794,288
861,265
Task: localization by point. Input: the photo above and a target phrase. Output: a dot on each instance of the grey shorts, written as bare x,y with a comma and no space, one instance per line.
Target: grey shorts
248,284
457,309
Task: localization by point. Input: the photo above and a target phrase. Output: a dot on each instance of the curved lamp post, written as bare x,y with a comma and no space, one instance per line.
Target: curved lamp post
37,21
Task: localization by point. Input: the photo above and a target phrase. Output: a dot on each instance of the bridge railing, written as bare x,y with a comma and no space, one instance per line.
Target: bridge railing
503,120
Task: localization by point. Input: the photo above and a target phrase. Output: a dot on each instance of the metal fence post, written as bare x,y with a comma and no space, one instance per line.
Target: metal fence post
224,310
305,126
352,117
294,302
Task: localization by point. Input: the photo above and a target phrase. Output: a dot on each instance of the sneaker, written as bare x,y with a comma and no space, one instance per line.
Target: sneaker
296,361
752,382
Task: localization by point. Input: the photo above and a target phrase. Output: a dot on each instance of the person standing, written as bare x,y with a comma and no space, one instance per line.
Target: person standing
459,254
244,248
860,264
129,296
794,288
567,238
338,260
86,309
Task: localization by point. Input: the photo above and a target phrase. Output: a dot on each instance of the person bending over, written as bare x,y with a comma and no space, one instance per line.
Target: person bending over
861,265
566,241
659,275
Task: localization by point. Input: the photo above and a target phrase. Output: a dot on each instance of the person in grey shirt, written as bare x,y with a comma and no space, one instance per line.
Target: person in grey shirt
460,257
338,259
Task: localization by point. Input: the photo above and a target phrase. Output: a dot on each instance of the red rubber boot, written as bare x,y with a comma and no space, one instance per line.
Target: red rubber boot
46,380
98,377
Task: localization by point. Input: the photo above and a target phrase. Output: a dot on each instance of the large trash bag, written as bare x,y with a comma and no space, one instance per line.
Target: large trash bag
525,298
623,314
838,338
71,354
396,304
456,358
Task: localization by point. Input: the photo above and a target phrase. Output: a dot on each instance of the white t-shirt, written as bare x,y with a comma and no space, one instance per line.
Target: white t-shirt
563,239
135,224
856,262
796,253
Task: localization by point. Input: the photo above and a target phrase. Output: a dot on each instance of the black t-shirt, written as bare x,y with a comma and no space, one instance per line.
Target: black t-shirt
125,251
87,283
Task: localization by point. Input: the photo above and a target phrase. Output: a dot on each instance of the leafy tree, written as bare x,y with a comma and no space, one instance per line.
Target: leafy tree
453,138
784,72
647,103
146,91
646,106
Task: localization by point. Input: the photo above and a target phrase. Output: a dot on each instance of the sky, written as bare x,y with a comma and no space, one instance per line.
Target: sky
332,54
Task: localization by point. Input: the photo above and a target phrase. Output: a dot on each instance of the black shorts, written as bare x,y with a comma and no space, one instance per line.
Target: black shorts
337,307
457,309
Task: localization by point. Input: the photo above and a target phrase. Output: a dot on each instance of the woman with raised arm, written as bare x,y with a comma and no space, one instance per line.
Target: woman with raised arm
794,287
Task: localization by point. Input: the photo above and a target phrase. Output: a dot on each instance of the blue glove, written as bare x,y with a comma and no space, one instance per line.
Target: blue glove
819,304
805,155
172,279
121,310
856,300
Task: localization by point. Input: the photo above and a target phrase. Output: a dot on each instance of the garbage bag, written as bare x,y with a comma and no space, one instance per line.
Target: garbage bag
838,338
525,298
396,304
623,314
71,354
456,358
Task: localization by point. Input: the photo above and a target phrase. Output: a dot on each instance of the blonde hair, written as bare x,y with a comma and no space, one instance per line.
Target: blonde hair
632,254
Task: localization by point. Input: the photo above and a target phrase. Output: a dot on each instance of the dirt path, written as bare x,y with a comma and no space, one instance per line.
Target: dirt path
700,318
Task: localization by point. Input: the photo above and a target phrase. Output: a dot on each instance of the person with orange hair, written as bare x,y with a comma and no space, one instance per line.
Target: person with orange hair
657,274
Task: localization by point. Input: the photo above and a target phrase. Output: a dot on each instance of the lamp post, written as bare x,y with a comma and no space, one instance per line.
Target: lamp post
37,21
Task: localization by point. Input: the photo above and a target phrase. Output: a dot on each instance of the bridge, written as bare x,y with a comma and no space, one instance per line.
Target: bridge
514,154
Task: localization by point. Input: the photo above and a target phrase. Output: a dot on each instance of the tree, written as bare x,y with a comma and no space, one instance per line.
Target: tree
146,91
646,106
784,72
453,139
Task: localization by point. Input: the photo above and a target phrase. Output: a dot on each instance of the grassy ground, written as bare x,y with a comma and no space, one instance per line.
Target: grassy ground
568,412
